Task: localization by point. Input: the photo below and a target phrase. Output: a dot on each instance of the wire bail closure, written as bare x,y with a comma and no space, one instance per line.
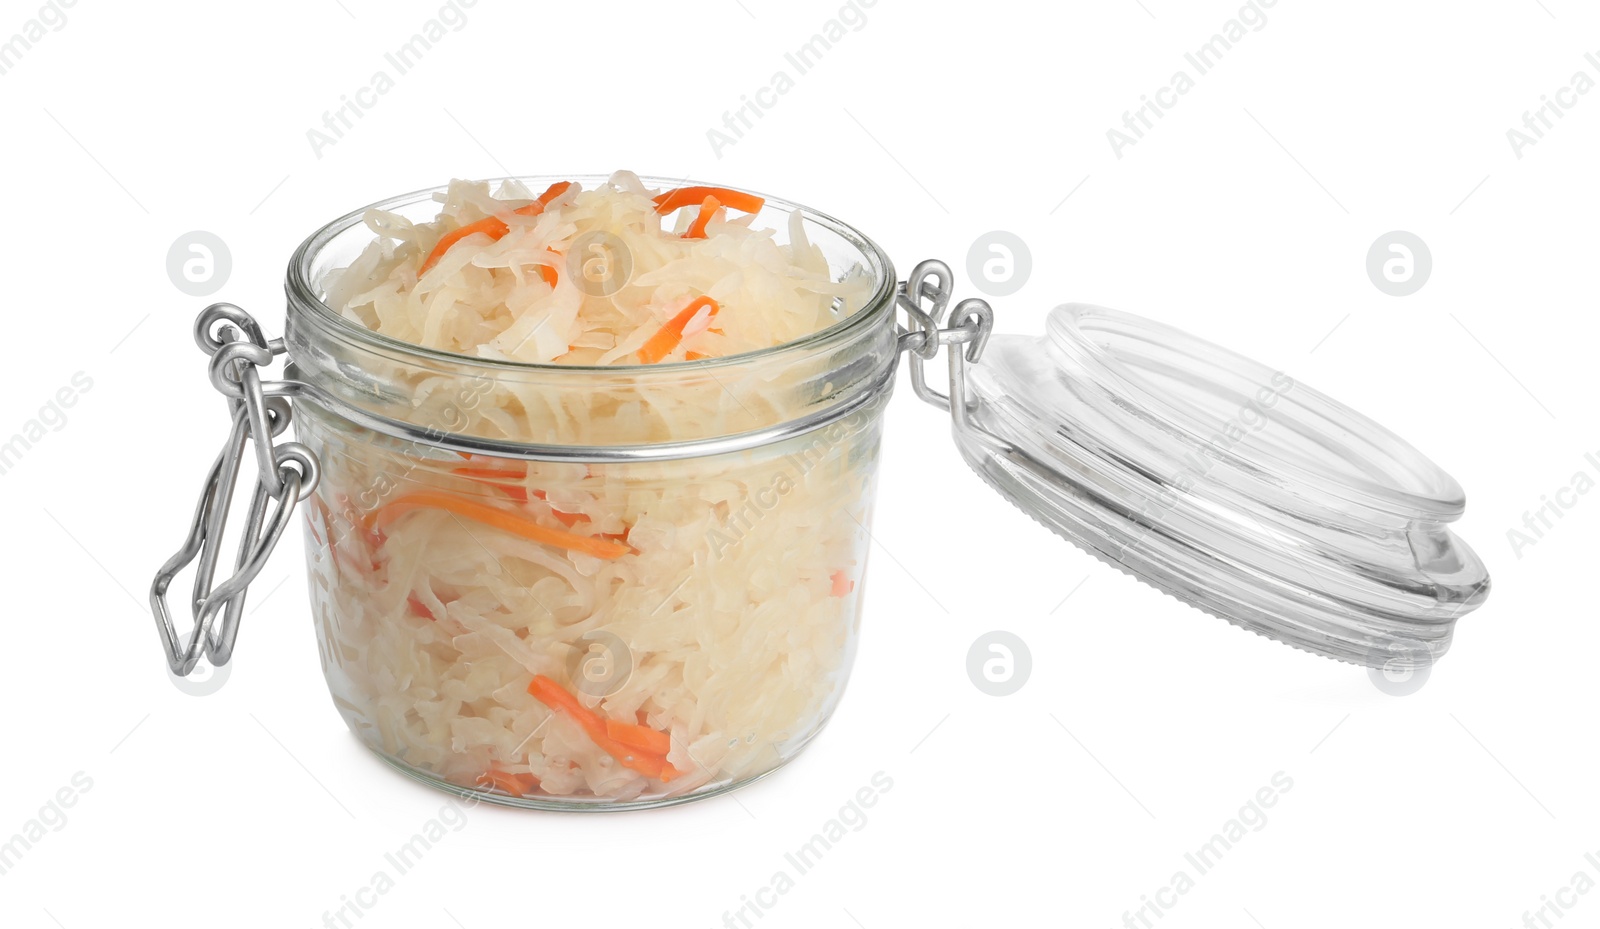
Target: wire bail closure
924,297
286,473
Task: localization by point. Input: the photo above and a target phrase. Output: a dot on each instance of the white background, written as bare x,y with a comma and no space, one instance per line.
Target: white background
1244,216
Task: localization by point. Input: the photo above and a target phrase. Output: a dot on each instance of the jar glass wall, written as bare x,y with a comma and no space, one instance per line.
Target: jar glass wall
589,587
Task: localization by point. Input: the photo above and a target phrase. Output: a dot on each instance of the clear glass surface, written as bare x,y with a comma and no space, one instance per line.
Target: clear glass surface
1225,483
588,633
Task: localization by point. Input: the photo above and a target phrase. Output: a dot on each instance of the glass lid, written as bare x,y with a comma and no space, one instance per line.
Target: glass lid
1227,484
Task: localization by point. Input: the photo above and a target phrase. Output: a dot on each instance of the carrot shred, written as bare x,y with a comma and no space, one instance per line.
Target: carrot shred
555,697
490,474
514,523
708,209
420,608
492,227
549,274
566,519
667,338
643,738
507,481
516,785
841,584
694,356
691,196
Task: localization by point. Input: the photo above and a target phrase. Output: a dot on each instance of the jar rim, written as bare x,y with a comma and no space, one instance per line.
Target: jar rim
1411,484
302,291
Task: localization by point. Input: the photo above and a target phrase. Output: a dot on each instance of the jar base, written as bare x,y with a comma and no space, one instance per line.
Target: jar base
590,804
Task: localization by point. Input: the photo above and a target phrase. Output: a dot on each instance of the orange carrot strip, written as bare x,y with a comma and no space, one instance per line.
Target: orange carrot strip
652,766
841,584
514,523
691,196
643,738
552,695
550,193
508,481
708,209
491,474
550,275
420,608
492,227
556,697
514,784
663,342
566,519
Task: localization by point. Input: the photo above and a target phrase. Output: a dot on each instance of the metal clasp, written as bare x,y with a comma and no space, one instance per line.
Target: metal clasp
923,297
286,473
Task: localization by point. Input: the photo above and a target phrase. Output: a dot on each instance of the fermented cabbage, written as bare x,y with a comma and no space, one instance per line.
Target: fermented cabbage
590,633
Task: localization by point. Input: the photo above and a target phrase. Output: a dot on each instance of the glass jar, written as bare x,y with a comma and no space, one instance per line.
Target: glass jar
570,587
677,549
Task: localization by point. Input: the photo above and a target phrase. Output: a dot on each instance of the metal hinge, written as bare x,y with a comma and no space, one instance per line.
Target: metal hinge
286,473
924,296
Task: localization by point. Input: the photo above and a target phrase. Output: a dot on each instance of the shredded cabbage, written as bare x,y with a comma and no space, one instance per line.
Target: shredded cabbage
485,297
721,609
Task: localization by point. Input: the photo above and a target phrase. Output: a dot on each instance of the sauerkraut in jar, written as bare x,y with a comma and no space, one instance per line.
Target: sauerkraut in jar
598,459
